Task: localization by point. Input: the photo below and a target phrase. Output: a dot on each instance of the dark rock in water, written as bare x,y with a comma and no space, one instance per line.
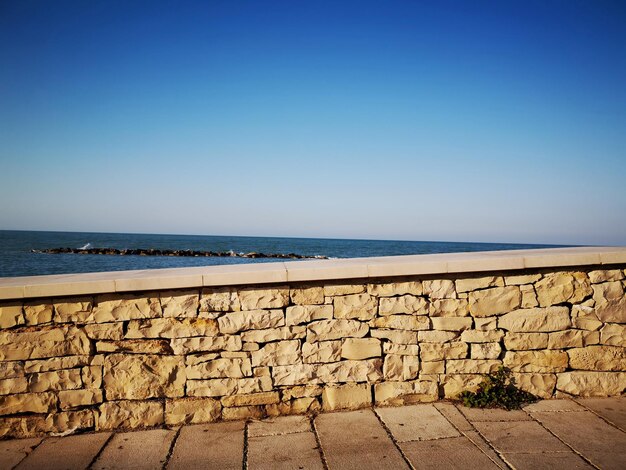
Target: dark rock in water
156,252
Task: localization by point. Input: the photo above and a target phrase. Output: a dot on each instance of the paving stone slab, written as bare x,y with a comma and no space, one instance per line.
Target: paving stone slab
547,461
452,414
13,452
611,409
520,436
493,414
356,440
480,442
209,446
449,453
599,442
553,405
62,453
281,425
141,450
285,451
416,423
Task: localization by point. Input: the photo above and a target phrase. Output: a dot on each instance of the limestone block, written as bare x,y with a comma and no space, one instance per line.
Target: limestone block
139,376
355,306
312,295
607,291
452,323
389,289
322,351
525,341
323,330
104,331
346,397
536,320
119,307
433,367
250,347
180,304
11,314
529,297
613,334
605,276
171,328
92,376
472,366
566,339
252,399
68,422
229,386
301,391
219,299
331,290
250,320
591,337
536,361
613,311
236,368
135,346
396,336
401,349
27,403
281,353
401,322
411,367
449,308
591,384
436,352
439,289
435,336
243,412
50,342
13,385
69,399
478,336
598,358
471,284
217,343
494,301
37,312
264,298
114,415
19,427
9,370
393,367
486,323
235,354
453,384
556,288
521,279
485,350
274,334
585,318
299,314
541,385
66,379
360,348
299,406
55,363
350,371
78,310
408,304
405,393
181,411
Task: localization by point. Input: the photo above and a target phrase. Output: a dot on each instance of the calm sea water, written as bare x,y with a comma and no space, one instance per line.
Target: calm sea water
16,258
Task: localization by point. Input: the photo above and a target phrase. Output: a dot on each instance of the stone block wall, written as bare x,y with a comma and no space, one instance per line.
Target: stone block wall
157,358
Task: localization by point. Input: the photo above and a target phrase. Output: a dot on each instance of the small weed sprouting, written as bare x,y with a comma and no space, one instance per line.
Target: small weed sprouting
497,390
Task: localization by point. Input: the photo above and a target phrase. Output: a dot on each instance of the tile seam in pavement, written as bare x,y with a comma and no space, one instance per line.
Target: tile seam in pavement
319,442
498,454
28,453
564,443
393,439
171,449
99,453
606,420
244,463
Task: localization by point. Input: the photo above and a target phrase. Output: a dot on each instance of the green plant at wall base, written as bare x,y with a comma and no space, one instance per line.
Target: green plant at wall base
497,390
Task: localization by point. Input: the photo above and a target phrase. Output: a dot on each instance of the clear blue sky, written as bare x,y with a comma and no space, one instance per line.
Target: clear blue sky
478,121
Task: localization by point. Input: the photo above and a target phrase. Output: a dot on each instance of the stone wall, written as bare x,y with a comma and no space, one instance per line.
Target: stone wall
197,355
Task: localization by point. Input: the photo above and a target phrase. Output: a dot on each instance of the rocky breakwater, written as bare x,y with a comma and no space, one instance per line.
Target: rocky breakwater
157,252
112,361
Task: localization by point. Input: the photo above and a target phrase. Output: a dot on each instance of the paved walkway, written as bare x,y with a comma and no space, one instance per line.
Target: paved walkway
554,434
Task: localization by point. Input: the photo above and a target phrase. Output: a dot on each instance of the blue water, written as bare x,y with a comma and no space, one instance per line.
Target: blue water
16,258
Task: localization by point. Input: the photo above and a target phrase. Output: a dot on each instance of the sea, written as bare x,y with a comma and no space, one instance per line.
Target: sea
17,258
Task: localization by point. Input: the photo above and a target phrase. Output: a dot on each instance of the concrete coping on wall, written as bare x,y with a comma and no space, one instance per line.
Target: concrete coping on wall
306,271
